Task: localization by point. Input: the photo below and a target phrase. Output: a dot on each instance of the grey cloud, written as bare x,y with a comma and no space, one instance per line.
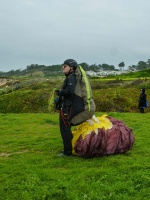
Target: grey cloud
47,32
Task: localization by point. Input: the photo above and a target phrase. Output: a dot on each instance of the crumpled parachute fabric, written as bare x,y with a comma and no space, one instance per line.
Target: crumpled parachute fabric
101,136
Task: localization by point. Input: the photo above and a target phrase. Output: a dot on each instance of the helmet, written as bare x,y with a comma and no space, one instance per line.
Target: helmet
71,63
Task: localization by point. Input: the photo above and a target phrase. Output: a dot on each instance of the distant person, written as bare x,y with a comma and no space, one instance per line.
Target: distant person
142,100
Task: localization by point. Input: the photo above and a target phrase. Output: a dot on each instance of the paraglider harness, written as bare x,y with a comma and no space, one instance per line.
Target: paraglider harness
64,105
82,90
66,116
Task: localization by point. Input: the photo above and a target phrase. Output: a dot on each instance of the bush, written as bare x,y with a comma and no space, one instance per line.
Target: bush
108,96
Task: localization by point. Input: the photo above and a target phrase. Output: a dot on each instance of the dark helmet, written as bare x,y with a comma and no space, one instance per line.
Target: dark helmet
71,63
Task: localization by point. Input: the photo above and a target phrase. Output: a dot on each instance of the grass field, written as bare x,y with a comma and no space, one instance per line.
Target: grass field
31,170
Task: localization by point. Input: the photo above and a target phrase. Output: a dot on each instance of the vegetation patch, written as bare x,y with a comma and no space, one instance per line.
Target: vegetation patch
30,94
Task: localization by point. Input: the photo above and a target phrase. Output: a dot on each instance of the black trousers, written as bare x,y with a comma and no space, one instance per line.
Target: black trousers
66,134
141,110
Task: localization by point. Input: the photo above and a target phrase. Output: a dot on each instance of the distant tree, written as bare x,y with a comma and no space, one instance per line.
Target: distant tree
106,67
53,68
141,65
132,68
100,66
35,67
94,67
30,67
148,63
11,72
85,66
121,65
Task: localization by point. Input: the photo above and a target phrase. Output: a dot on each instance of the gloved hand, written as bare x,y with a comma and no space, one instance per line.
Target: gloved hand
57,92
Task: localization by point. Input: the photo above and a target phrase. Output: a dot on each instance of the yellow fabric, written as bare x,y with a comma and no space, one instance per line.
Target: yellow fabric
87,87
51,104
85,128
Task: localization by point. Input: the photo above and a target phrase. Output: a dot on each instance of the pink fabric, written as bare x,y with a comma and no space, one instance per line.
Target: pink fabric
118,139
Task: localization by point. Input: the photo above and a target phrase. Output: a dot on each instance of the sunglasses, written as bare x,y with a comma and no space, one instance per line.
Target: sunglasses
64,66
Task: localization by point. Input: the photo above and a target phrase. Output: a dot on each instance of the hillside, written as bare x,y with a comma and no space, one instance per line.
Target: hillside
112,93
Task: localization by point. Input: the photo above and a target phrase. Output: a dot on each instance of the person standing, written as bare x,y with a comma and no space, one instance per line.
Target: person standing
142,100
73,109
66,97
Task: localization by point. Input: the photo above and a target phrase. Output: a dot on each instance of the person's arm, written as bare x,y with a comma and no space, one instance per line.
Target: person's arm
70,88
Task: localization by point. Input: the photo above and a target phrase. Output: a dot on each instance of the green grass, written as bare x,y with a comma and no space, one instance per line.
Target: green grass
31,170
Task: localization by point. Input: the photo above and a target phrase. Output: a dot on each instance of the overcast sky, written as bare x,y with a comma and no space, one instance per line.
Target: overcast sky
92,31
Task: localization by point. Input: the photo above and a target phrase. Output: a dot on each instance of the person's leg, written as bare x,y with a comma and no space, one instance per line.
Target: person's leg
66,135
141,110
